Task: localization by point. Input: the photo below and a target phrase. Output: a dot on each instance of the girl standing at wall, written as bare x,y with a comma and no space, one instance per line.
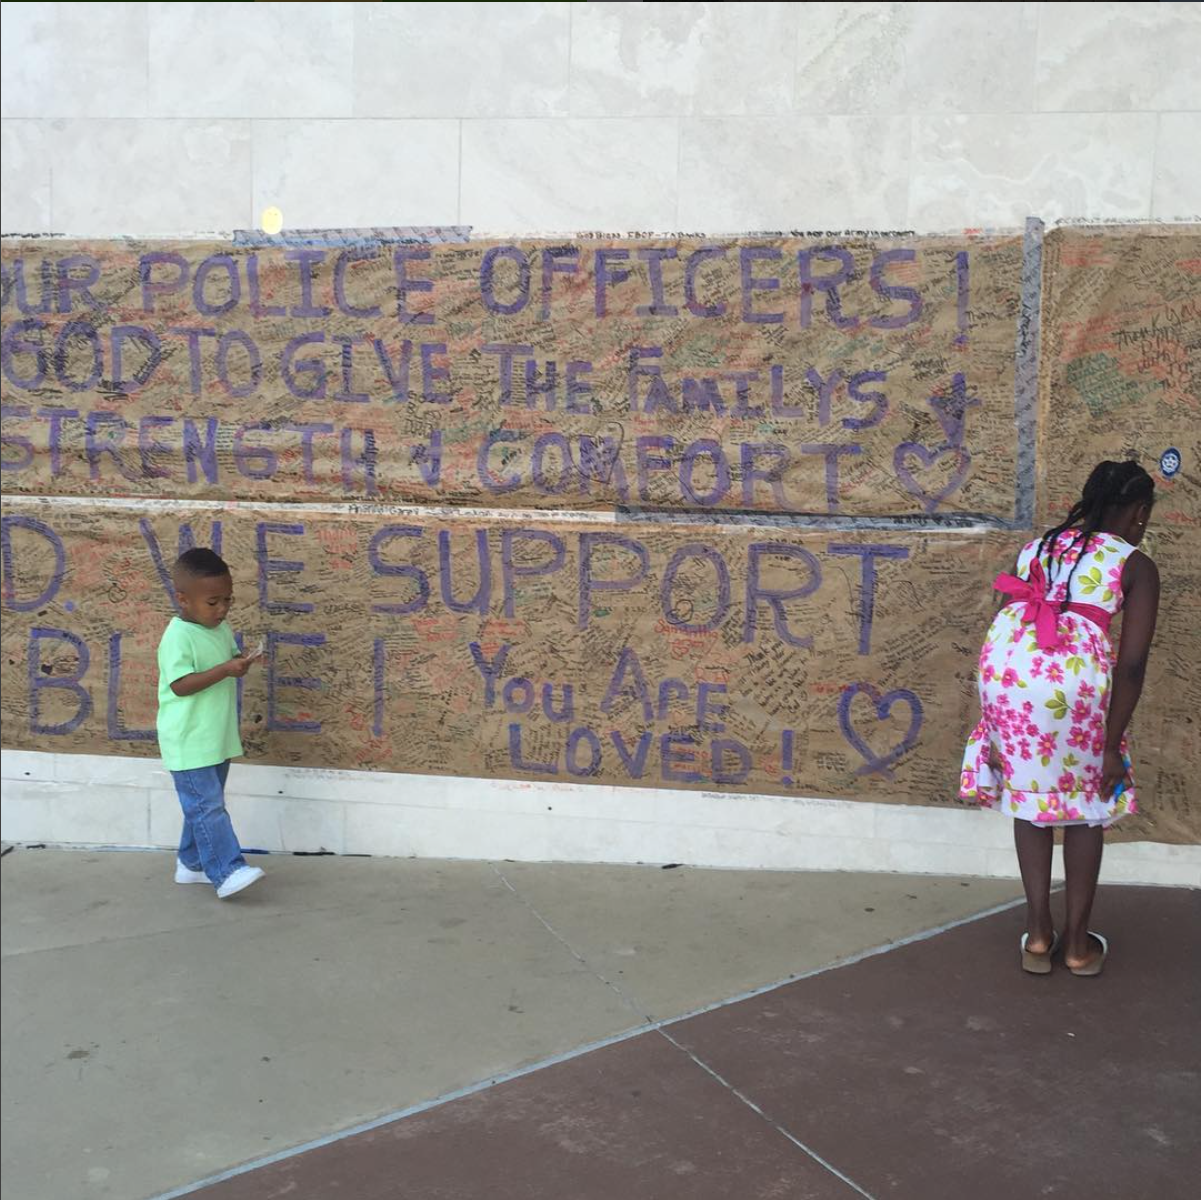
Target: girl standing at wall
1050,748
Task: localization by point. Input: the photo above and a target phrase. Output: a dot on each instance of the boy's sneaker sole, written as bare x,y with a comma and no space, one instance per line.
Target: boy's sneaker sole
242,878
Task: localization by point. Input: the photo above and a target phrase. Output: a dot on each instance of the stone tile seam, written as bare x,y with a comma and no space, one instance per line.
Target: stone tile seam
769,1120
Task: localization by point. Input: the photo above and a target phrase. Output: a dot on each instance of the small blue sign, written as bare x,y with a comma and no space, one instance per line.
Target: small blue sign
1170,462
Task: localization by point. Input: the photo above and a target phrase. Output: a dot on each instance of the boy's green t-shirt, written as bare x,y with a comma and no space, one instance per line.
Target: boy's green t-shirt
200,730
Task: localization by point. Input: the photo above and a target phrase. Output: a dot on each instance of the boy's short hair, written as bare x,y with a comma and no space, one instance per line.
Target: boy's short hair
200,563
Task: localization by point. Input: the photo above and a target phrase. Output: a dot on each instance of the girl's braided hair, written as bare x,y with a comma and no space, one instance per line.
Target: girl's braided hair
1110,486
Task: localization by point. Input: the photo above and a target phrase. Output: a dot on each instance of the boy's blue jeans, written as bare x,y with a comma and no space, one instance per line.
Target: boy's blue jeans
208,842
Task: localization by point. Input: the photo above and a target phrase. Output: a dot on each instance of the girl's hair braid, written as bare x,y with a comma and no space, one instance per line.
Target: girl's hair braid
1110,485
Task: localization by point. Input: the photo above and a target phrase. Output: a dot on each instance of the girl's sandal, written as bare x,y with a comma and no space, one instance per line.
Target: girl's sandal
1096,965
1038,964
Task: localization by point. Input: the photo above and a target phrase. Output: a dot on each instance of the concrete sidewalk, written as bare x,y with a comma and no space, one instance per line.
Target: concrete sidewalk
155,1037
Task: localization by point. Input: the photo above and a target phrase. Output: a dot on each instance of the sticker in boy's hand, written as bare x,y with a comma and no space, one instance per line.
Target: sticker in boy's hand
259,650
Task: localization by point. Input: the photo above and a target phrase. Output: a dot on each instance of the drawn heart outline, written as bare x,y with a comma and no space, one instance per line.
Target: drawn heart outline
883,705
930,500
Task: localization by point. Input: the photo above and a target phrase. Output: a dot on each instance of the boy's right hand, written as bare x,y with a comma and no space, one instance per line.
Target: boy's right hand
237,667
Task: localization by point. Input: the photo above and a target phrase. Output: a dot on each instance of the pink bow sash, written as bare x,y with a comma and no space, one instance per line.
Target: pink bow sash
1040,610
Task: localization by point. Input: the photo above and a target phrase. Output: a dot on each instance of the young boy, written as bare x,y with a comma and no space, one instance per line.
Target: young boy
198,720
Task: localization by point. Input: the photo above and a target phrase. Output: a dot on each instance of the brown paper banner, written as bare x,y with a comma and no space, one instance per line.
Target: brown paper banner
1121,379
851,377
746,660
832,662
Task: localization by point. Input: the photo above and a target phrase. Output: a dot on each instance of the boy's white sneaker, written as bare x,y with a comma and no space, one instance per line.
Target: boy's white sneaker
241,878
184,875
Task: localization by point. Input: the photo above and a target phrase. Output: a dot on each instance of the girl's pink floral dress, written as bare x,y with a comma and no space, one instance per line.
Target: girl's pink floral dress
1044,709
